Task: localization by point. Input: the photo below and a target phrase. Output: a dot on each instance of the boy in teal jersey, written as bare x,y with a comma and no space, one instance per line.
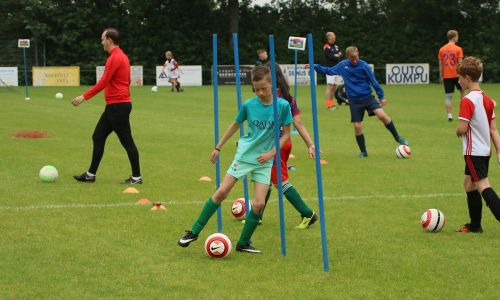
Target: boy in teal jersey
254,155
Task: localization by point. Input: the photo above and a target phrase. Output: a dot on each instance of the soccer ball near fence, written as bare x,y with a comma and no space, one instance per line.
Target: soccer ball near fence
432,220
218,245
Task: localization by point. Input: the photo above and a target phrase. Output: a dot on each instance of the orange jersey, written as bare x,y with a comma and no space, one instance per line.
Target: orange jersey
448,56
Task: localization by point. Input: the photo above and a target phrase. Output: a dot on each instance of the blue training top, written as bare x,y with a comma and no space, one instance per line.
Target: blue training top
358,78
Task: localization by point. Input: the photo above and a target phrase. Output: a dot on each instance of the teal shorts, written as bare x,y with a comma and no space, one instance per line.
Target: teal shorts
260,173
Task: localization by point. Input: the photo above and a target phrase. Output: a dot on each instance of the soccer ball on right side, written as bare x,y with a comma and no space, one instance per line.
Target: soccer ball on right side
48,174
432,220
238,208
403,151
218,245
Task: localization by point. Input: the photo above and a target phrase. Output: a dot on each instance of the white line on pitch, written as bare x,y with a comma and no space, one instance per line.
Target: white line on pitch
189,202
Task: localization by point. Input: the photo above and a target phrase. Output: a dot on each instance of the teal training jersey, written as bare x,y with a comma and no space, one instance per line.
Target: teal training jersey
260,136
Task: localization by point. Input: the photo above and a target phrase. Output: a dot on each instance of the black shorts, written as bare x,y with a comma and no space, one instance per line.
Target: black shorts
358,107
476,167
450,84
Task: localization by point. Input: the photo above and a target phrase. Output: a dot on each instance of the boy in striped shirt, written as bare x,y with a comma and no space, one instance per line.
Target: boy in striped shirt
477,128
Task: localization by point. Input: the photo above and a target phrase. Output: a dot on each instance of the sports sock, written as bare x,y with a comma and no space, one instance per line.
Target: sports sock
208,210
475,204
361,142
252,220
392,129
178,86
492,201
293,196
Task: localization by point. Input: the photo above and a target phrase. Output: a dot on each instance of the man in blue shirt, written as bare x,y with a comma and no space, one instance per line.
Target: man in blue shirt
359,80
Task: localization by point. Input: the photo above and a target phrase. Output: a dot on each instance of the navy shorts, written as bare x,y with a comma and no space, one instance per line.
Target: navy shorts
359,105
450,84
476,167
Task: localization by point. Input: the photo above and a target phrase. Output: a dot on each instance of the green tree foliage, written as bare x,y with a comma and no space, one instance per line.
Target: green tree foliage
386,31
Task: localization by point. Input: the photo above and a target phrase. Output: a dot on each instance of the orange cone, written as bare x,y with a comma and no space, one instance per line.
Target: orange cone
205,178
143,201
323,162
291,155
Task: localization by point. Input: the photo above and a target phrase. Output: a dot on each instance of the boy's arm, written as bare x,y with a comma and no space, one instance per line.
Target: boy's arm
375,84
285,136
495,137
327,70
462,127
225,137
304,134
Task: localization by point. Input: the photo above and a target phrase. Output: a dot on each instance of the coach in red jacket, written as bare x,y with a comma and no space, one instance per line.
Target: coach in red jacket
115,81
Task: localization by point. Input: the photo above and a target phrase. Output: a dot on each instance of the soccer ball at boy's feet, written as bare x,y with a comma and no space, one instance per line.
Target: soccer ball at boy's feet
48,174
218,245
403,151
238,208
432,220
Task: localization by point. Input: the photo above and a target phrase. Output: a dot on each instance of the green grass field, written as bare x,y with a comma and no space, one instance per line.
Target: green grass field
71,240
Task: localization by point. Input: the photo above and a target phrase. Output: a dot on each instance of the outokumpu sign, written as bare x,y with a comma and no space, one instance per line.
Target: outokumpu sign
407,73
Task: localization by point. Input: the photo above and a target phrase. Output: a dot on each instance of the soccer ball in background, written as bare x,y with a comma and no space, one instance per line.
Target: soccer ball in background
154,89
238,208
59,96
403,151
218,245
48,174
432,220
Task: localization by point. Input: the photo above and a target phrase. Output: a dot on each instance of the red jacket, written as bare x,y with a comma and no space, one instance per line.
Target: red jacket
116,79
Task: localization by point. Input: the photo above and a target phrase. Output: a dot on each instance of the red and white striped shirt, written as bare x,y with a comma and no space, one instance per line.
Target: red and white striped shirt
477,109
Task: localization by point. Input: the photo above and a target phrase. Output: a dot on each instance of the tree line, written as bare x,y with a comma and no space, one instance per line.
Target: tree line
67,32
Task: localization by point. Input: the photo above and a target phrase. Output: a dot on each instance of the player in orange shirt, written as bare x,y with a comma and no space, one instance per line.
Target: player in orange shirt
449,56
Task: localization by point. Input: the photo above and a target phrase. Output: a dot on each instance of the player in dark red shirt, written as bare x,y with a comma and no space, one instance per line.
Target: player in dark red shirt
116,82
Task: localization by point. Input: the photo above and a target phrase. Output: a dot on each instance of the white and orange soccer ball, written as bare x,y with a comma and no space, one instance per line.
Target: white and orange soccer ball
403,151
218,245
433,220
238,208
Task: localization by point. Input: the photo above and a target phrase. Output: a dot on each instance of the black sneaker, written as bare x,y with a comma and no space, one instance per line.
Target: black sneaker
84,178
466,228
247,248
131,180
187,239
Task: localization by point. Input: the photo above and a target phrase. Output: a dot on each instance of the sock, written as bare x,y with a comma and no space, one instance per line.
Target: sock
251,223
178,86
361,142
208,210
475,204
492,201
294,198
265,204
450,116
392,129
90,174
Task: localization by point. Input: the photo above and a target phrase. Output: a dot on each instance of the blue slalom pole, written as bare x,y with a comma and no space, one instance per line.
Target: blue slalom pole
238,96
318,159
277,146
215,84
25,74
295,84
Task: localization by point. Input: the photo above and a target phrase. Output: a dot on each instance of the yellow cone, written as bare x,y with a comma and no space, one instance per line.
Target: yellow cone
205,178
158,206
131,190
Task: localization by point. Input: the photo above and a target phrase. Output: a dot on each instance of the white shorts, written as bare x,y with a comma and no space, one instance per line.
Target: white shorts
173,74
334,79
